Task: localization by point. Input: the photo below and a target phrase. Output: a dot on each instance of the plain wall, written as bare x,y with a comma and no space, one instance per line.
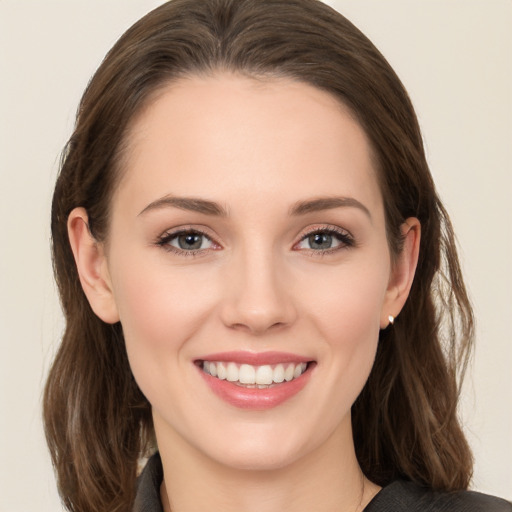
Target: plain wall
453,57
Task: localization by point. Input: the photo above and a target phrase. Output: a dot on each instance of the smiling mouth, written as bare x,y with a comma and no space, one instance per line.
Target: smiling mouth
250,376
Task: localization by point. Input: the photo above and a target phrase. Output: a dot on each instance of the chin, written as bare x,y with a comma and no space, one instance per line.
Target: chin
244,459
255,451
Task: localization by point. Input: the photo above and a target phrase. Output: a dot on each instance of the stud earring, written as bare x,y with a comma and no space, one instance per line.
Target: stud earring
391,319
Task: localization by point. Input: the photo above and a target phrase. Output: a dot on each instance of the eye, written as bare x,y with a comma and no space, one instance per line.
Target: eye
186,241
325,240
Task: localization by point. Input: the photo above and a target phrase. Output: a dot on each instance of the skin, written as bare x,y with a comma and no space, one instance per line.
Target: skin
257,148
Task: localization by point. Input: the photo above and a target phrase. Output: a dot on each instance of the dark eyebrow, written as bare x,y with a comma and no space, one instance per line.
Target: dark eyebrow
187,203
212,208
327,203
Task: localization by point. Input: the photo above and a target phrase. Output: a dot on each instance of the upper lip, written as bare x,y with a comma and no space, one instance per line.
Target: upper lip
255,358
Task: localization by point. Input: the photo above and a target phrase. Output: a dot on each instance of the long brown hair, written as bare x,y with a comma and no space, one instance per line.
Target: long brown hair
98,423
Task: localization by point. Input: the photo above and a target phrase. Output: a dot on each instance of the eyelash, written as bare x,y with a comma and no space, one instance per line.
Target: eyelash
165,239
346,241
344,237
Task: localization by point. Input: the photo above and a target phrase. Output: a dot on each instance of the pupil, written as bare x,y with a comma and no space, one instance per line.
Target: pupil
190,241
320,241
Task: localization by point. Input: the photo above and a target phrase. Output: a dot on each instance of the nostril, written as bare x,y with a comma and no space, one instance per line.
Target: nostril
258,325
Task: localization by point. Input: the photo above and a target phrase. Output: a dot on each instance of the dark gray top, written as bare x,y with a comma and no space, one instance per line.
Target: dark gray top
399,496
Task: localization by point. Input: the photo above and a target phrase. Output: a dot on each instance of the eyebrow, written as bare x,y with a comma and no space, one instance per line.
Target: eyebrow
187,203
212,208
327,203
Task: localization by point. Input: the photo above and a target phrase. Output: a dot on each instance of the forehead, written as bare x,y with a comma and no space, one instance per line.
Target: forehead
266,138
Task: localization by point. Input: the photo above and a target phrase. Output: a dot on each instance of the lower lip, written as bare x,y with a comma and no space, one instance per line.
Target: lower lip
254,398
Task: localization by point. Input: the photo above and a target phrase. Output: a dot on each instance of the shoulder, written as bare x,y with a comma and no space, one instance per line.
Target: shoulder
401,496
147,498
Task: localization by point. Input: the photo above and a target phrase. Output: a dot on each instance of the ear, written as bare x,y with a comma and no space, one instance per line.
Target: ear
92,267
402,272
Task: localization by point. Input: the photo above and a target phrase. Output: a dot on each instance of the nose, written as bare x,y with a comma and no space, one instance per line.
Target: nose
257,297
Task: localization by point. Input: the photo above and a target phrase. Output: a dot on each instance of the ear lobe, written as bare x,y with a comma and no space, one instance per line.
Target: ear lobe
402,274
92,267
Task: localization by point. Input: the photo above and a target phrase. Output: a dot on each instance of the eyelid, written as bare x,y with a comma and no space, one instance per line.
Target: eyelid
169,234
344,236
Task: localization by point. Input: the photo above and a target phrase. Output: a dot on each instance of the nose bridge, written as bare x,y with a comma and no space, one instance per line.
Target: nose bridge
256,299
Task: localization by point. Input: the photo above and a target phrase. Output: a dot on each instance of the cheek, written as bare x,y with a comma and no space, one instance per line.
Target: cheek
347,302
157,301
346,313
161,309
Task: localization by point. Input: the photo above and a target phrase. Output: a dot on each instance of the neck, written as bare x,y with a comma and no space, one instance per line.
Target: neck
327,479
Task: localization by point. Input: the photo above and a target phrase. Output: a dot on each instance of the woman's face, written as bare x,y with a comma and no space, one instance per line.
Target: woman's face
247,241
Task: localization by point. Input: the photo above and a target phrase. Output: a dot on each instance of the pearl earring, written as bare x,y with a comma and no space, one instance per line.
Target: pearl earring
391,319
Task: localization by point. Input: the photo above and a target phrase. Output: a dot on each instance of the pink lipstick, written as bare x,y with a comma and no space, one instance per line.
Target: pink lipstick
255,381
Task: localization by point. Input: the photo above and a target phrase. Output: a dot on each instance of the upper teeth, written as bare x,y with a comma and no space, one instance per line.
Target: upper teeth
260,375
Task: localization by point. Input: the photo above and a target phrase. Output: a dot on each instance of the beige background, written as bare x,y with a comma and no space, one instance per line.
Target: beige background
454,57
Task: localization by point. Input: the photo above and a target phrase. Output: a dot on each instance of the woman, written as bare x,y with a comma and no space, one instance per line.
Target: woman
242,212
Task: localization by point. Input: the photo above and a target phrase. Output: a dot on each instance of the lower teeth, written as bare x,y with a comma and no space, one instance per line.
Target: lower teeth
253,386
